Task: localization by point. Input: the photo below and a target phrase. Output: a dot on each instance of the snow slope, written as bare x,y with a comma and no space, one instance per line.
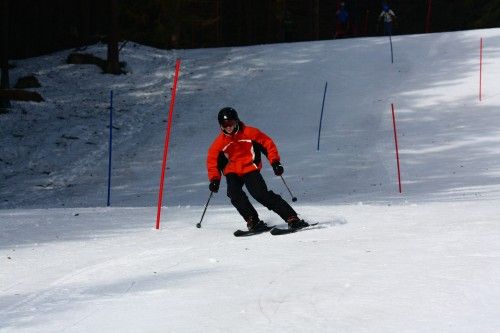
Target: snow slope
426,260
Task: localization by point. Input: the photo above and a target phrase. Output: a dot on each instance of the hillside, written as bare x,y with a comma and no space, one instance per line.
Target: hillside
425,260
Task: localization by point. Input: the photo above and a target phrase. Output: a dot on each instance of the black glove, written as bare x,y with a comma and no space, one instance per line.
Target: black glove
214,185
277,168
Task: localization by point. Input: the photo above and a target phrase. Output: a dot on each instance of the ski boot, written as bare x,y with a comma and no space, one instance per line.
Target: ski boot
295,223
256,225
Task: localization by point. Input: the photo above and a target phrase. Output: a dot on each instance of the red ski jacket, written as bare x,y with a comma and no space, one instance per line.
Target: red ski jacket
240,152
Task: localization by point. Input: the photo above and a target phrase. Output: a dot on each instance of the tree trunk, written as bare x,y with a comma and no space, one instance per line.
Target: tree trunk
249,21
219,18
4,53
316,20
84,32
113,63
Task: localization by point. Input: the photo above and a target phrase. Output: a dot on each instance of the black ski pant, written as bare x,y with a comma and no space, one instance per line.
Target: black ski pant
257,187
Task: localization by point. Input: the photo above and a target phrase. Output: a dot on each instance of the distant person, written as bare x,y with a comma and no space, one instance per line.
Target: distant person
388,16
236,154
342,21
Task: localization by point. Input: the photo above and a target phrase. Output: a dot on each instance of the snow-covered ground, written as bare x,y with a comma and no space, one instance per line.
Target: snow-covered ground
426,260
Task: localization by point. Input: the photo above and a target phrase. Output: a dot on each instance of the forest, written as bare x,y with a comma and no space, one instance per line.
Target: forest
31,28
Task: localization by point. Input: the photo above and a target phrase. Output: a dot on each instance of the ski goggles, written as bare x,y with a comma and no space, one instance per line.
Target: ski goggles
228,123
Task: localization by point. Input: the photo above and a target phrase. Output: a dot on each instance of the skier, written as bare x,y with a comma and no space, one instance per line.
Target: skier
388,16
236,153
342,25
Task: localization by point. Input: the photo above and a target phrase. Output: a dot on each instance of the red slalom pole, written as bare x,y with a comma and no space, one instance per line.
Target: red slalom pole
167,141
428,19
396,143
480,69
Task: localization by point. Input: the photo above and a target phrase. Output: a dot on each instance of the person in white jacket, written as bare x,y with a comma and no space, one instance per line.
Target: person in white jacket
388,16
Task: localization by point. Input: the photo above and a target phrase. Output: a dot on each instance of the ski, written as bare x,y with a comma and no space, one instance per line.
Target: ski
279,231
244,233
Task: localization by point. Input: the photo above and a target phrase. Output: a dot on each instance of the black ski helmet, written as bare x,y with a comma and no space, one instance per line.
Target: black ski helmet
227,113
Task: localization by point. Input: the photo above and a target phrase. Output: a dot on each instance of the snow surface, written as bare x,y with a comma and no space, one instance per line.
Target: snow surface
426,260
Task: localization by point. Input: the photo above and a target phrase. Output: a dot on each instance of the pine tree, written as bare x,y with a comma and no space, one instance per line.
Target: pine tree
4,53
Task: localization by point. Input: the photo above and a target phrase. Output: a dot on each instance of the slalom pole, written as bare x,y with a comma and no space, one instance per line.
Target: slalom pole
294,198
198,225
167,141
480,69
110,145
392,53
396,144
428,19
321,116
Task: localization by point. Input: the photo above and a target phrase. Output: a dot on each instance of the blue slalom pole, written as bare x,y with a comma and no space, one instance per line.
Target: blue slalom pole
392,55
321,117
110,145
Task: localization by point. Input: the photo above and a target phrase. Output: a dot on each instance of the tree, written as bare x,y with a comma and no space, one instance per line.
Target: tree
113,62
4,44
84,31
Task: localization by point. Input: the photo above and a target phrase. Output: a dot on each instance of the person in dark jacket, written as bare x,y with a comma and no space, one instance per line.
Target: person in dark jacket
342,23
388,16
236,153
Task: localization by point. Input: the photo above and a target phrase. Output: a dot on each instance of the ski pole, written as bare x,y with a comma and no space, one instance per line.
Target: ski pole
198,225
293,198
